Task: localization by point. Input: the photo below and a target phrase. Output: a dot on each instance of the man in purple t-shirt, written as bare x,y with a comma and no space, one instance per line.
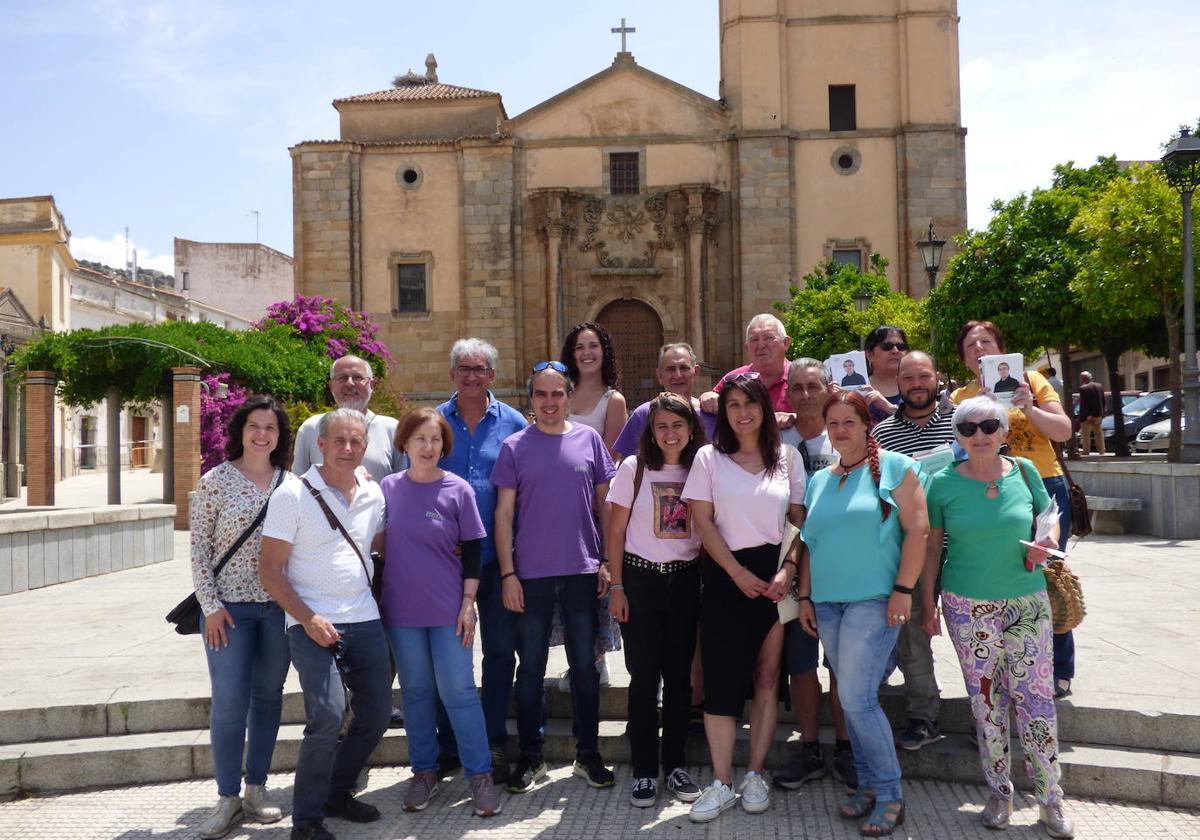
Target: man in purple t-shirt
552,480
676,373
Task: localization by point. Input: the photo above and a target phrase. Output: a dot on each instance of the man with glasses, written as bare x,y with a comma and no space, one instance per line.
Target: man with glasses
677,374
352,383
481,423
920,430
766,347
316,540
552,479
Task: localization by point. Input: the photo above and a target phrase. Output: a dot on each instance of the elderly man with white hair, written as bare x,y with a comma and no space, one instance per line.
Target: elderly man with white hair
766,347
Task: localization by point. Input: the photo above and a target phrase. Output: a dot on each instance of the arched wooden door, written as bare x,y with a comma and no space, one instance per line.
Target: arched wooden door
637,332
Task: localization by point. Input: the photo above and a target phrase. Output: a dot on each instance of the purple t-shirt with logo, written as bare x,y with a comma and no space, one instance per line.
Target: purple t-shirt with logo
555,477
631,433
422,576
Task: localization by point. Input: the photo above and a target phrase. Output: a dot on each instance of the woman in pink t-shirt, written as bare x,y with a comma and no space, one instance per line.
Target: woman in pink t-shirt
653,558
741,490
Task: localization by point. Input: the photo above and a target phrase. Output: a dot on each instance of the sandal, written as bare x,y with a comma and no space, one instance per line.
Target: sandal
884,819
858,805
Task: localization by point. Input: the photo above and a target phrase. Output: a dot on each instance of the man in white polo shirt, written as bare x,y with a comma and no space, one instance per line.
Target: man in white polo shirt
337,641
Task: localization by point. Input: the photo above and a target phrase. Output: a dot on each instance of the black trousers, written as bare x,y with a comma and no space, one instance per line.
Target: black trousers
660,638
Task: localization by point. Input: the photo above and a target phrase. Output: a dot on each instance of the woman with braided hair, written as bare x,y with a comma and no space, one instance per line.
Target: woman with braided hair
864,546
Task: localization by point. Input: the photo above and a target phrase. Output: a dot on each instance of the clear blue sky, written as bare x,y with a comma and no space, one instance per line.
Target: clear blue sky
174,118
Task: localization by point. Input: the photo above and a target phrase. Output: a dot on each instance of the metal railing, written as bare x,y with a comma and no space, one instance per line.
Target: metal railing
135,454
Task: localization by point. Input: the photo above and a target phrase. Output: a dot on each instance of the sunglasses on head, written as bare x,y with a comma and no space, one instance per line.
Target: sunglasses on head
744,375
967,428
894,345
558,366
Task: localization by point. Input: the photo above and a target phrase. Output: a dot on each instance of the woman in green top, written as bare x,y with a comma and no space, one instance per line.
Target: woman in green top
995,606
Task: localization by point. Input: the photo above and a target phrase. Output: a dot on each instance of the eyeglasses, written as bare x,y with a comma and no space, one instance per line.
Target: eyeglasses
352,378
477,370
894,345
744,375
558,366
967,428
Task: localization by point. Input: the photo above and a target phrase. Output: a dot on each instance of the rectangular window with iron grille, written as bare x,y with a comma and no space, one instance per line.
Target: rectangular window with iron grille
410,287
623,175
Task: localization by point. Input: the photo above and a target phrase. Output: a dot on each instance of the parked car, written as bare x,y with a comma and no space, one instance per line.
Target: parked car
1139,414
1155,437
1126,398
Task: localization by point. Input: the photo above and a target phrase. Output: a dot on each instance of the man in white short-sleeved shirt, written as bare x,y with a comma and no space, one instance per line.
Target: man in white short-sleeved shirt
334,633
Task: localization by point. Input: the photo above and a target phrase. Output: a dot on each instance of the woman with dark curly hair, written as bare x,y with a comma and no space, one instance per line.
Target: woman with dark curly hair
591,362
864,536
243,631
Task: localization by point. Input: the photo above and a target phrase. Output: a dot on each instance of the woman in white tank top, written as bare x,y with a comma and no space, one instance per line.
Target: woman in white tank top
591,362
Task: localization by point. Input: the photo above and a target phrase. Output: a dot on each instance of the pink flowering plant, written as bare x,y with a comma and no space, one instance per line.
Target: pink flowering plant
220,397
336,329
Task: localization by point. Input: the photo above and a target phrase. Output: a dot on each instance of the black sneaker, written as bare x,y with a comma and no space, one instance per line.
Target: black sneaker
312,831
644,793
843,767
591,767
447,764
808,765
917,734
396,721
500,766
681,784
528,771
349,808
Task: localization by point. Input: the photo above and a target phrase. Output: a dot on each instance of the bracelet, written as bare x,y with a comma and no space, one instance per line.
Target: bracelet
507,575
803,598
790,562
903,590
467,597
616,586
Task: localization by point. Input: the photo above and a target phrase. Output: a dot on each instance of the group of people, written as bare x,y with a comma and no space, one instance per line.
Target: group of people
686,533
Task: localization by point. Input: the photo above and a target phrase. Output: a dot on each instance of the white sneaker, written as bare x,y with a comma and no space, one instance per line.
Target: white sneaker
222,818
604,671
714,799
756,796
258,806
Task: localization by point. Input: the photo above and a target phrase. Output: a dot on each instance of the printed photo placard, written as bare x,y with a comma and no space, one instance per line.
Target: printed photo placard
1003,374
848,370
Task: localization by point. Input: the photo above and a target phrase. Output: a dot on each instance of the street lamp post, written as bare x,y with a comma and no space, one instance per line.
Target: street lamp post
862,302
931,254
1181,165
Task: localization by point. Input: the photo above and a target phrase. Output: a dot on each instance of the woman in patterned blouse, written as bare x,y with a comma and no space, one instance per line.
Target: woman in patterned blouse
242,627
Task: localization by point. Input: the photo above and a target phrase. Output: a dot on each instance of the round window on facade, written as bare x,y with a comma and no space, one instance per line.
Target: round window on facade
846,160
409,176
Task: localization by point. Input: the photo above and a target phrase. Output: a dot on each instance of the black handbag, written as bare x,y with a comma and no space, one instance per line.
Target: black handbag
186,614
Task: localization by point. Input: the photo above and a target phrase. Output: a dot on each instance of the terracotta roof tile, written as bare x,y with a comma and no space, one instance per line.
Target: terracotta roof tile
409,93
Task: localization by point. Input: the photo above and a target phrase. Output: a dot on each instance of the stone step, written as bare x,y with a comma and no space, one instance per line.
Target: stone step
1154,731
1163,778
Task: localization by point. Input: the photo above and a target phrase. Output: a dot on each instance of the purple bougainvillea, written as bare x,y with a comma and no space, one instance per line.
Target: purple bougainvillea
217,406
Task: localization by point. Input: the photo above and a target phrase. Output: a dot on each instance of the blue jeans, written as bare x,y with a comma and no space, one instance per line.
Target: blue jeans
576,598
247,693
859,643
326,769
433,664
1064,643
498,639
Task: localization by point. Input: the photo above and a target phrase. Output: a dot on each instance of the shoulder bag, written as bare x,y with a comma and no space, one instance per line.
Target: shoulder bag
375,579
187,613
1062,585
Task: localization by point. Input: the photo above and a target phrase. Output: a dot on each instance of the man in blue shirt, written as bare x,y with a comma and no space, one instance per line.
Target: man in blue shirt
480,424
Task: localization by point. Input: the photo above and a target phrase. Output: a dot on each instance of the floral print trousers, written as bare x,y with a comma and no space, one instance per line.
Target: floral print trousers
1006,650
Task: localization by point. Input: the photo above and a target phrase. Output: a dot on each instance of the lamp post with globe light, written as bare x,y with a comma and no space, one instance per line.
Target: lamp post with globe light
931,254
1181,165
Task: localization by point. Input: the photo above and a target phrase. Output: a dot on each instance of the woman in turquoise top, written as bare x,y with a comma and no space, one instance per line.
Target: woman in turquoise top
864,541
995,605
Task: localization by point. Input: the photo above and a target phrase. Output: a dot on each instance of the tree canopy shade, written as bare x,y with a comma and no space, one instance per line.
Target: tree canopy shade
822,319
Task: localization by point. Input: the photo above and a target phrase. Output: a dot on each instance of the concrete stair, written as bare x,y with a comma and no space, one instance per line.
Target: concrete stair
1107,753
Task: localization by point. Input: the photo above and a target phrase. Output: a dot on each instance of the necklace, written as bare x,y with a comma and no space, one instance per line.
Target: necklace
846,468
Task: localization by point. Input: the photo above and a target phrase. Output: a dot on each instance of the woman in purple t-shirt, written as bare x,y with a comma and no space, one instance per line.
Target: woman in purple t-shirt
653,559
428,607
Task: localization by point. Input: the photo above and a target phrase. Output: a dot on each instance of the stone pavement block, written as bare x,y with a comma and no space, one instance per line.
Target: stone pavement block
136,759
37,561
50,554
6,566
1181,781
20,561
81,721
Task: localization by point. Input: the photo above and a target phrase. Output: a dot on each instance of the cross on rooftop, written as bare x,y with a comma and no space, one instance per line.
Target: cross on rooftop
622,30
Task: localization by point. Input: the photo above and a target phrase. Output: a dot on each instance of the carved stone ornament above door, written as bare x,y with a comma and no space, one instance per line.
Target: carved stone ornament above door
626,232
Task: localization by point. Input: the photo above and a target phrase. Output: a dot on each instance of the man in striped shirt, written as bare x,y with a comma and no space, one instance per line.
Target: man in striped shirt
915,429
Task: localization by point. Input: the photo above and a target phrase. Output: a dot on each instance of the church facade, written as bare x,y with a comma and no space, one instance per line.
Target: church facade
629,199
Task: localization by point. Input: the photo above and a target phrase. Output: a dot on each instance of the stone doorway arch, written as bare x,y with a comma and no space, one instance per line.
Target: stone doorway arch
637,332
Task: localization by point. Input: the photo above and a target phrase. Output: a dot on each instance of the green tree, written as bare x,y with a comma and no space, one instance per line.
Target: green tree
821,318
1135,227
